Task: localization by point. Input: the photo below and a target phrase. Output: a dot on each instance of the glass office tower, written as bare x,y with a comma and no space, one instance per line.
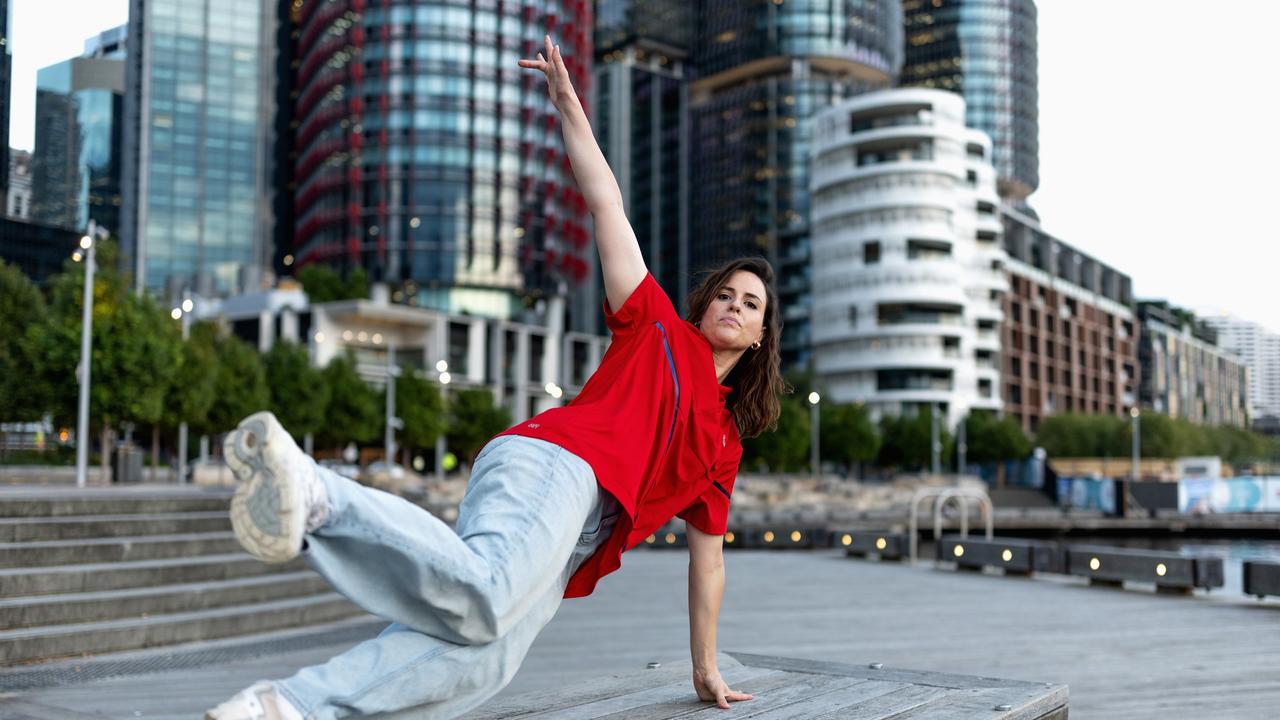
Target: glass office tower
424,154
76,165
986,51
200,94
6,64
765,68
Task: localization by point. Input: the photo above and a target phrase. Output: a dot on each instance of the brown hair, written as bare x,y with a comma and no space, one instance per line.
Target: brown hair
757,378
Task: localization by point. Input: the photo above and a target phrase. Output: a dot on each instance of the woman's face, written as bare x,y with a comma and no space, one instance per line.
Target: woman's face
734,319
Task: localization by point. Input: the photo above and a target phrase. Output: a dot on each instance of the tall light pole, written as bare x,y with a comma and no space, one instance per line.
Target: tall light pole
1136,429
442,367
814,466
962,448
89,244
935,440
183,313
393,422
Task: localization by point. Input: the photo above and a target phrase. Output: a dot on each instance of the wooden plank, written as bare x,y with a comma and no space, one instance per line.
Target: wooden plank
848,692
1026,704
888,705
943,680
771,686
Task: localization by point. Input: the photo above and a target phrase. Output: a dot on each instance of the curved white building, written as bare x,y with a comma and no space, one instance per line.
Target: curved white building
908,264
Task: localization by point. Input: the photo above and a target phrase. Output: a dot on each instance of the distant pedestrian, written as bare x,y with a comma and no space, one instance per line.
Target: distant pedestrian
552,502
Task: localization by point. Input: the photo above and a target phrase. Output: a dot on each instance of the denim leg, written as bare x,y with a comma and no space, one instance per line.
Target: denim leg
521,517
409,674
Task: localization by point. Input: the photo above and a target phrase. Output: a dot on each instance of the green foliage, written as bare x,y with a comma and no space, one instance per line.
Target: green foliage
323,284
787,448
240,385
135,347
847,434
1078,435
23,395
474,418
419,405
299,395
195,381
905,441
992,439
355,411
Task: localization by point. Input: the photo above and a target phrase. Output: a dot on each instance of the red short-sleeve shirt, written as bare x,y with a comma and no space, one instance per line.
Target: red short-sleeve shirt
652,423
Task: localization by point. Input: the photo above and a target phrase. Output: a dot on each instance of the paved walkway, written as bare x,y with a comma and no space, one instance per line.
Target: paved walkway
1124,653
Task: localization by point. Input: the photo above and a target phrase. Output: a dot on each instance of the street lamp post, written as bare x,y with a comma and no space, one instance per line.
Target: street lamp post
814,466
184,313
89,244
1136,429
935,440
962,448
442,367
393,422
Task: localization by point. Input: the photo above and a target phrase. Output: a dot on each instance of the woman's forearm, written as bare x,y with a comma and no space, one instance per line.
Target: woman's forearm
596,181
706,590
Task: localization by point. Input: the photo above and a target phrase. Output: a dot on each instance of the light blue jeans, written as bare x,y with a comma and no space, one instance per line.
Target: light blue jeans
465,606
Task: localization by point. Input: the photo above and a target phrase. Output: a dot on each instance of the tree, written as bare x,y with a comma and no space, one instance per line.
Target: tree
473,418
240,385
906,441
299,395
787,447
1078,435
195,381
992,439
23,397
419,405
354,413
323,284
847,435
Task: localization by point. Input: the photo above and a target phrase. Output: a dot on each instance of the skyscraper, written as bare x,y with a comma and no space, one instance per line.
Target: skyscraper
765,68
1259,349
77,158
422,152
199,106
642,76
6,64
986,51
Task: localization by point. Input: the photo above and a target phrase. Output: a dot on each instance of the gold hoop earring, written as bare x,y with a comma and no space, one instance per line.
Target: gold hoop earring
756,346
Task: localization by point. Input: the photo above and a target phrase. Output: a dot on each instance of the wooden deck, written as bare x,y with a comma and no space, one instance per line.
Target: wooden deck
791,688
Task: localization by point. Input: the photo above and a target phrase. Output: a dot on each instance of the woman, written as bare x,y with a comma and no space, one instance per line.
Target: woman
552,502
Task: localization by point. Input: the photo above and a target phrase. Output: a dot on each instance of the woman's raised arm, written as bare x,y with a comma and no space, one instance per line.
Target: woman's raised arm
620,257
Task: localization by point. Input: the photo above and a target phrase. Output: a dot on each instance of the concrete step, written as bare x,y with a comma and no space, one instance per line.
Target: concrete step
43,643
44,553
93,577
74,527
102,503
45,610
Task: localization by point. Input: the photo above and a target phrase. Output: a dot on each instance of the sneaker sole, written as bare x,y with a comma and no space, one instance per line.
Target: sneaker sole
265,512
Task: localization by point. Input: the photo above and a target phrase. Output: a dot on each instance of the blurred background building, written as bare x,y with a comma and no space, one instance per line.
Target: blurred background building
422,153
1185,374
985,50
1069,336
18,203
1259,349
908,269
764,69
76,166
200,97
6,72
641,119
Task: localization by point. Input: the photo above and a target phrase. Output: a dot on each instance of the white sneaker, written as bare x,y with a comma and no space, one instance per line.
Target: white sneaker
279,497
259,701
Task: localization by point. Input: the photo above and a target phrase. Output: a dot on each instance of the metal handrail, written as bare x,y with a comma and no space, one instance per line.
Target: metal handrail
941,496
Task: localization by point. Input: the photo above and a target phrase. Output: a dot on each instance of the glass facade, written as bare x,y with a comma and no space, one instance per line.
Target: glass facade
765,70
6,65
641,121
424,154
199,215
76,166
986,51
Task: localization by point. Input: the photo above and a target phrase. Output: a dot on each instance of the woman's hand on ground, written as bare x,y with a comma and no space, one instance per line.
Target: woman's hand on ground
559,86
712,688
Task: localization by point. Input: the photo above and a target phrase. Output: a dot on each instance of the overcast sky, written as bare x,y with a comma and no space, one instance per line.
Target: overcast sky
1159,152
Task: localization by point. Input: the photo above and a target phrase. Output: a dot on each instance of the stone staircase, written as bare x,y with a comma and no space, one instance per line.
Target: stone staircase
104,570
